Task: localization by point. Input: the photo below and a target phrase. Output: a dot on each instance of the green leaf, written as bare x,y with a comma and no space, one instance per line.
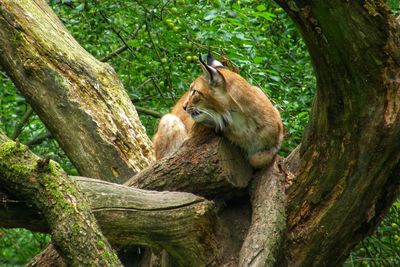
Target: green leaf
258,60
210,15
261,8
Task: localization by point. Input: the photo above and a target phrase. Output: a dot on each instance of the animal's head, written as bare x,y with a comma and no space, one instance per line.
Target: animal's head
207,102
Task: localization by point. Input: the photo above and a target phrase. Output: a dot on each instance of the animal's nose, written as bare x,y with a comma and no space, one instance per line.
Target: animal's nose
185,106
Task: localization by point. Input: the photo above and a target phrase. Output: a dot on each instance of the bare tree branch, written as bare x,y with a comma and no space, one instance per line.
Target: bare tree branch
20,125
120,49
38,139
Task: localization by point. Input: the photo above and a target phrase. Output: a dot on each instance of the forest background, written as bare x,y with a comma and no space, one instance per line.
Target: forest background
154,46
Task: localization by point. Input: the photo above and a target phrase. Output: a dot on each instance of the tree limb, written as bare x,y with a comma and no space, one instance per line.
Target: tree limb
38,139
268,223
19,126
150,112
76,96
216,167
44,184
351,144
177,222
120,49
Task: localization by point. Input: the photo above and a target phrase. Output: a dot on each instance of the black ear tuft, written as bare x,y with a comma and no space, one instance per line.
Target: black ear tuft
210,58
201,60
211,61
211,74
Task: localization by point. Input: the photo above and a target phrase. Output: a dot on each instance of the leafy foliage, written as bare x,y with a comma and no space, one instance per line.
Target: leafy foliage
162,40
383,247
17,246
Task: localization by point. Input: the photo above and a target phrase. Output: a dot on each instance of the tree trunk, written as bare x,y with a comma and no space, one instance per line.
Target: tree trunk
340,181
79,99
44,184
346,173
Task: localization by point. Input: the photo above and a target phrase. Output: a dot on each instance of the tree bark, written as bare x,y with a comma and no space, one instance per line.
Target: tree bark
341,179
345,175
47,258
79,99
268,223
66,210
216,168
175,221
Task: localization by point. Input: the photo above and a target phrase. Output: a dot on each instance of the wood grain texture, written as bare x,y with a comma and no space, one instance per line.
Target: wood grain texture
177,222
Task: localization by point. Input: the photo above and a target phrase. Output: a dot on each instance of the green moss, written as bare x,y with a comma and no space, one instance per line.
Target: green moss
11,147
16,38
100,245
8,152
59,80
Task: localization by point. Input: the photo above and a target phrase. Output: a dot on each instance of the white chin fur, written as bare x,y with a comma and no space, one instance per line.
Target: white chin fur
211,118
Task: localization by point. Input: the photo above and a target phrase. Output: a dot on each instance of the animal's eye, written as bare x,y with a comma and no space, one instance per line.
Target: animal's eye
194,92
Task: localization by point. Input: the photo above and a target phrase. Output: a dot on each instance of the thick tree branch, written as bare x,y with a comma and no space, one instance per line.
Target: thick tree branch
78,98
44,184
47,258
205,164
351,144
177,222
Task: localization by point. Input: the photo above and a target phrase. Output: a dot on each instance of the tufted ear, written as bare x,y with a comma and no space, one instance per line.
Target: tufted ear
211,61
212,75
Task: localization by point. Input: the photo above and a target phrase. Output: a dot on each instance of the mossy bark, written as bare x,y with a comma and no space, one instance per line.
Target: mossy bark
80,99
44,184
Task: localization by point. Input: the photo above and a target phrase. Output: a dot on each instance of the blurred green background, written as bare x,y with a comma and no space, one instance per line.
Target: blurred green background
162,40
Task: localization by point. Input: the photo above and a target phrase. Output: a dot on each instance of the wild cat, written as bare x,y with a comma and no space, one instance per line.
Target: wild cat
223,100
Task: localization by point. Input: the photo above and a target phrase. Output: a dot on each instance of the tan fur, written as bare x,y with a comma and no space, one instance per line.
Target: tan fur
228,103
172,130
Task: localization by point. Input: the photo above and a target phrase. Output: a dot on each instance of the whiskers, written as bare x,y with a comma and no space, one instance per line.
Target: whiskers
218,120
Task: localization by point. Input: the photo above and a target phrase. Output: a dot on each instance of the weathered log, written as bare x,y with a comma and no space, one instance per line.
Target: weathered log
79,99
205,164
66,210
178,222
